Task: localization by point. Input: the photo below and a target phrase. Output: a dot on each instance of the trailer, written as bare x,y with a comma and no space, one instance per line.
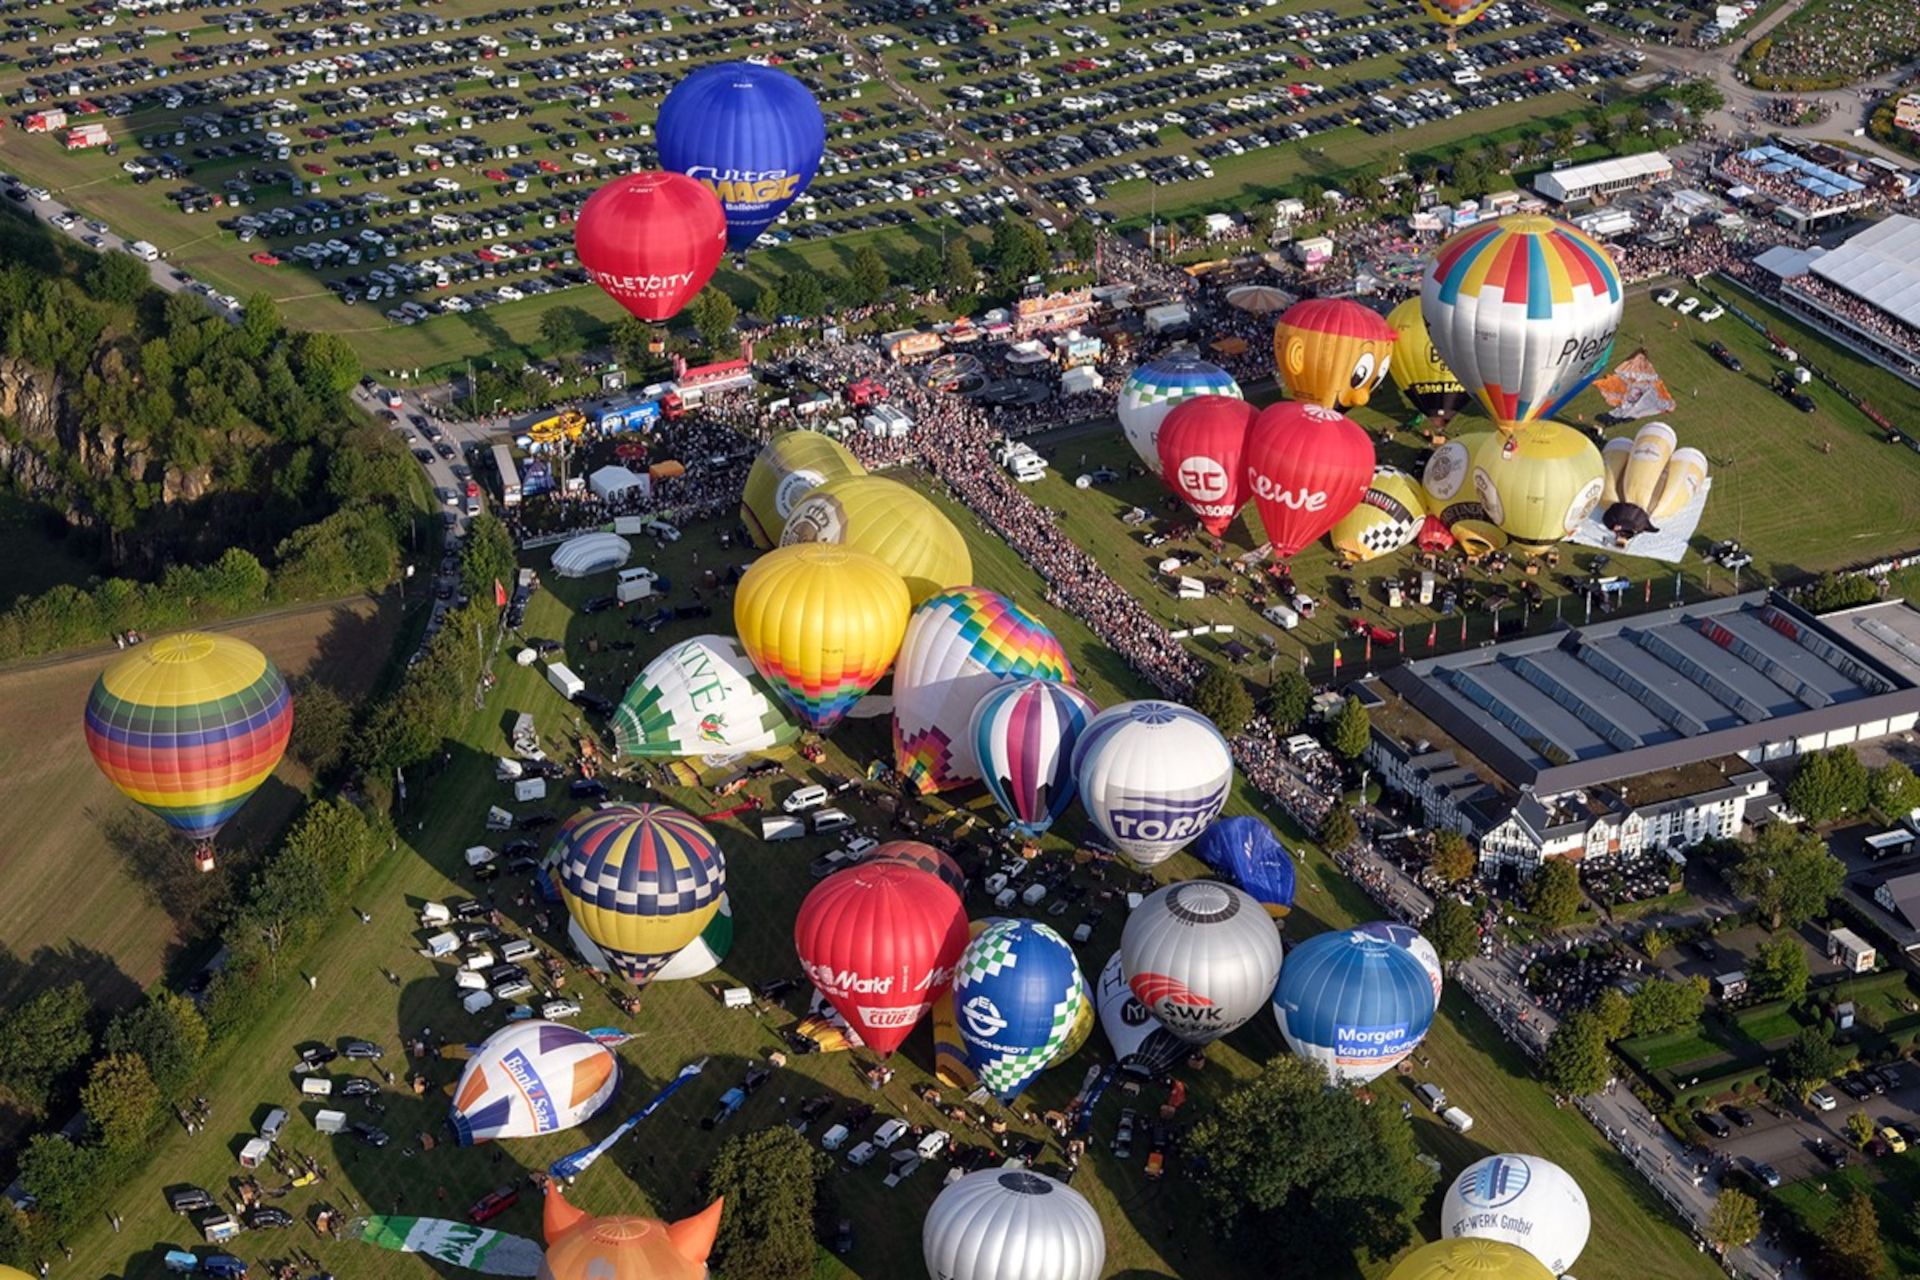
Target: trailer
567,684
510,492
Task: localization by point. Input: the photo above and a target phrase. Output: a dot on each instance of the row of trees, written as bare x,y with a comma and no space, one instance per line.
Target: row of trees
1829,785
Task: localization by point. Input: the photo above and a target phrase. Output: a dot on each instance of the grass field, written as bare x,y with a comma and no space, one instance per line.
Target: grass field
1894,1184
1153,1228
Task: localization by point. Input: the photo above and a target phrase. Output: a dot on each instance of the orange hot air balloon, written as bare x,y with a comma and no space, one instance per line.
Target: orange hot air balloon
583,1247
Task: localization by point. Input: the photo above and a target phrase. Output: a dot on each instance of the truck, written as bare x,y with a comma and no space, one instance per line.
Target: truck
634,584
509,475
1166,320
567,684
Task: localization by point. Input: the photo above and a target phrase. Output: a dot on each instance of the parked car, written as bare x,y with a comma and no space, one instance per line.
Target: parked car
1768,1175
355,1087
189,1199
1739,1115
265,1217
372,1135
362,1050
493,1204
1821,1100
1123,1140
1713,1124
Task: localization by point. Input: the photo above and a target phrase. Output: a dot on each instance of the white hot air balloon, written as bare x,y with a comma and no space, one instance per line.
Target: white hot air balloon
1138,1039
1523,1201
1153,390
700,697
1152,776
1202,957
1011,1224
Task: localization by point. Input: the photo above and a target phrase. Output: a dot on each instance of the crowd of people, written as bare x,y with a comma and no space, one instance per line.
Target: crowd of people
1891,331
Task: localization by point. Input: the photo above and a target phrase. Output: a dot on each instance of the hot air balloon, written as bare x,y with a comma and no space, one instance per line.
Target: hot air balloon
1152,776
705,953
886,519
880,941
1202,957
1422,376
1246,851
700,697
1022,737
1152,390
642,880
1405,935
1453,499
1535,483
1012,1224
652,241
1469,1260
1524,1201
1332,351
188,726
822,624
1306,467
1388,517
1017,994
959,645
626,1247
1354,1003
753,134
923,857
1523,310
786,470
1647,479
1201,443
1141,1043
530,1078
1454,14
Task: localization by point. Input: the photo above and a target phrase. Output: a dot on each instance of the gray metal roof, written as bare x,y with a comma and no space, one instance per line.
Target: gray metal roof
1880,265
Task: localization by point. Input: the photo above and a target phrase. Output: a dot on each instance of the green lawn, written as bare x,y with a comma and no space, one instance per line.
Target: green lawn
1894,1184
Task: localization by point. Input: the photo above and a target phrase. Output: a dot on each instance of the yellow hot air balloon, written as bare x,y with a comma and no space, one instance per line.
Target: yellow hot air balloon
1388,517
885,518
1469,1259
1453,500
1648,480
1535,483
786,469
1454,14
1331,351
1417,369
822,623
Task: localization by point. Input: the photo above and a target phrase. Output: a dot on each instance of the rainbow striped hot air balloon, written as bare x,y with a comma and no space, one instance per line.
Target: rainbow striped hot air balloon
1524,311
188,726
641,880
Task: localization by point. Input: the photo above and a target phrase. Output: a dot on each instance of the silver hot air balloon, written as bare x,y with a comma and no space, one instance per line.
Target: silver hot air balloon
1009,1224
1202,957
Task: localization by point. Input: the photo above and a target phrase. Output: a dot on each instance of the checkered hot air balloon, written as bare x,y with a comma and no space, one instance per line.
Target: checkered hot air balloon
531,1078
641,880
1017,996
1152,391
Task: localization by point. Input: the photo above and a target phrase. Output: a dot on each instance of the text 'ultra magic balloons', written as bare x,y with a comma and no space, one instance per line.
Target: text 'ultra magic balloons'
1422,376
1354,1003
1012,1224
1152,776
1023,736
1017,994
791,465
1469,1260
1524,311
1332,352
1152,391
530,1078
886,519
959,645
700,697
822,624
1202,957
652,241
880,941
1524,1201
751,134
624,1247
1201,444
1306,467
642,881
1246,852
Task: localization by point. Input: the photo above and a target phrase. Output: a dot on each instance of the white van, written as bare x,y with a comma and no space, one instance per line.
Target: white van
834,1138
316,1086
143,251
861,1153
469,980
778,828
1466,76
330,1121
567,684
475,1001
276,1121
480,855
441,944
514,950
1281,616
634,584
831,820
889,1133
804,799
530,789
1457,1120
434,913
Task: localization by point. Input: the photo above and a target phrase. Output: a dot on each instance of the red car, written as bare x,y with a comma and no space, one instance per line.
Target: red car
548,166
319,169
1380,634
266,259
496,175
493,1204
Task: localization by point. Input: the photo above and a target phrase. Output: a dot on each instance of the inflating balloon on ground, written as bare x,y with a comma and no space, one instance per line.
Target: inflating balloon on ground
1017,996
822,624
1354,1003
1524,1201
531,1078
1152,776
1202,957
1152,391
1248,854
700,697
1332,352
1306,468
786,469
1023,736
1012,1224
889,520
641,880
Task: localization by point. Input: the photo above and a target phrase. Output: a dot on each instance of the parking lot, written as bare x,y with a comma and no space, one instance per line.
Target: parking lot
1789,1140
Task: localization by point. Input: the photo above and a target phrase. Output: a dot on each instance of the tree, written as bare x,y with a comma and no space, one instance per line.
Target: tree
1779,969
1222,697
766,303
1893,790
1663,1004
1289,698
1575,1062
1453,857
1811,1059
168,1033
1017,250
802,294
867,277
487,558
1850,1246
1553,894
1351,730
559,328
958,271
1081,239
1613,1011
117,277
1828,785
1735,1219
42,1040
321,730
771,1179
1860,1128
714,317
324,363
1297,1165
1452,930
1338,830
1655,942
120,1099
631,336
60,1174
1788,874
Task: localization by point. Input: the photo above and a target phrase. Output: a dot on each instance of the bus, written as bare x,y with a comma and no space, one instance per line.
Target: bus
509,475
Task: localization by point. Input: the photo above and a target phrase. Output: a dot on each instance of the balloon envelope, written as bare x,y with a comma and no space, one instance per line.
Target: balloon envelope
624,1247
1017,996
188,726
1012,1224
1354,1003
1152,775
1306,467
700,697
530,1078
925,858
822,624
790,466
1455,13
880,941
1022,735
1332,351
1523,1201
959,645
1535,483
886,519
1201,443
752,134
1202,957
652,241
1405,935
642,880
1152,390
1388,517
1469,1260
1246,851
1141,1042
1422,376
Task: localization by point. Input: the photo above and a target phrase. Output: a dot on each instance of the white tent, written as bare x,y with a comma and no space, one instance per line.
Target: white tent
591,553
613,481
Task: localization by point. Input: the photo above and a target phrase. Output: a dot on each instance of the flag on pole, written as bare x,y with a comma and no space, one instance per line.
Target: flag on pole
1368,653
1463,626
1649,590
499,595
1402,639
1433,633
1336,657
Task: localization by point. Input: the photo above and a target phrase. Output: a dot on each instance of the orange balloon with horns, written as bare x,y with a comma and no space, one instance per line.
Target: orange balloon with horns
583,1247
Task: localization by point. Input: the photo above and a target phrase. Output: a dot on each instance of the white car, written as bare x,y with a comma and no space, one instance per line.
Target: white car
1821,1100
1666,297
1713,313
889,1133
555,1010
1688,307
445,184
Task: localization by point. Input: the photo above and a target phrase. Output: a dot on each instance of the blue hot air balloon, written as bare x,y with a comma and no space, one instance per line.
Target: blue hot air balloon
754,134
1353,1002
1017,995
1246,851
1023,734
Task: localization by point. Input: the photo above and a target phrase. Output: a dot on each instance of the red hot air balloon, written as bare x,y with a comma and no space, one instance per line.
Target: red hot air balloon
1306,467
1200,445
652,241
881,941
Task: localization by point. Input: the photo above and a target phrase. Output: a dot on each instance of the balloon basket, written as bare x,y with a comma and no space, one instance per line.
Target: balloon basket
203,858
